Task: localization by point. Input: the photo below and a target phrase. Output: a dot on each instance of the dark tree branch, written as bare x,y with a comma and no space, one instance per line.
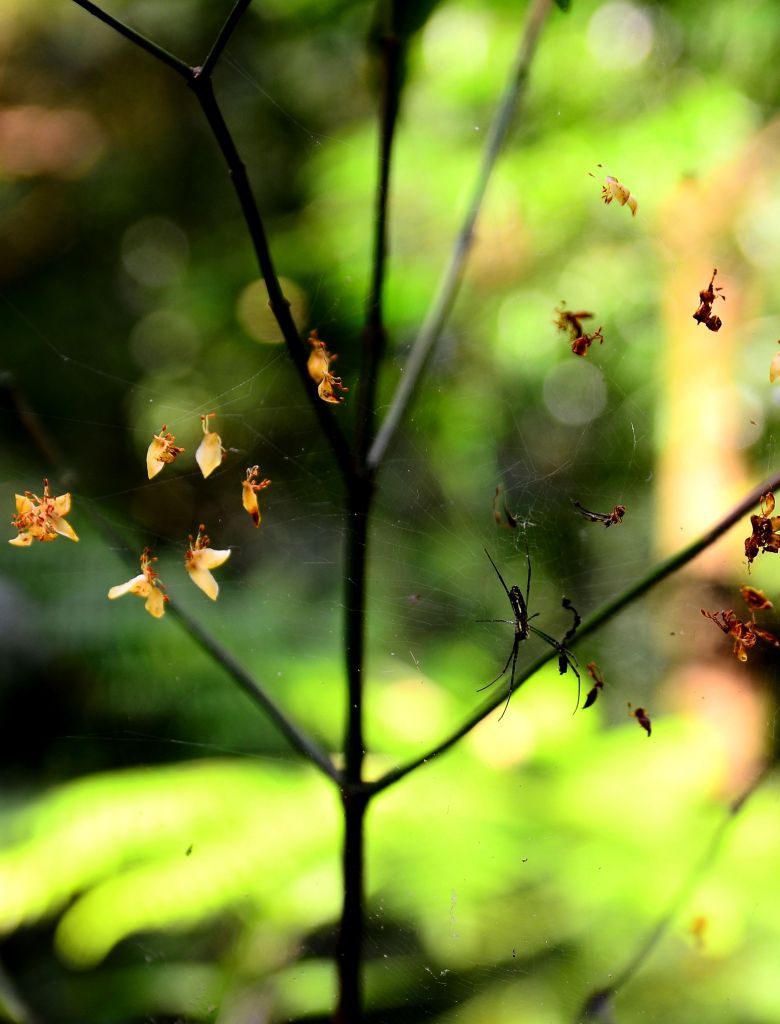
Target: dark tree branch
589,625
450,281
179,66
597,1001
294,735
223,38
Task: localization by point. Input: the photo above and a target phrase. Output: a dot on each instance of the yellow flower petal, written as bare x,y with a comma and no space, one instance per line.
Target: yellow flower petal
154,463
155,603
24,540
208,558
61,505
202,578
62,528
249,501
210,453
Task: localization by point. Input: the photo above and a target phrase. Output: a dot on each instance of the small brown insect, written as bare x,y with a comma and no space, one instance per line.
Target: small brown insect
642,717
704,314
571,324
598,684
607,518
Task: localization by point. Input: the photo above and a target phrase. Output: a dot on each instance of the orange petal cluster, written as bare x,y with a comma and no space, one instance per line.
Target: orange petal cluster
41,518
147,584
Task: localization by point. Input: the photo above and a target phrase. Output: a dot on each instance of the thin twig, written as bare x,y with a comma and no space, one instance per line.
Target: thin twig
450,281
392,51
599,999
179,66
589,625
277,302
223,38
279,305
295,736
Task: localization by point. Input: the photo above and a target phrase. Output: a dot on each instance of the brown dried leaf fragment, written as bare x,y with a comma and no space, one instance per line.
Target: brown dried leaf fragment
766,529
704,314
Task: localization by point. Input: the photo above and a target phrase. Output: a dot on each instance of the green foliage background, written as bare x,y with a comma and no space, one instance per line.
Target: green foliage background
163,855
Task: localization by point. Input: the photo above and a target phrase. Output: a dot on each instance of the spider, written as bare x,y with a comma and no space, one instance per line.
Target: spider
522,622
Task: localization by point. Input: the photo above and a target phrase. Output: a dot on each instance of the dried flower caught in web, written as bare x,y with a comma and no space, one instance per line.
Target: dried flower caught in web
571,324
766,529
318,366
598,684
642,717
755,599
210,452
41,519
147,584
744,634
199,559
161,452
503,516
607,518
250,492
613,189
704,314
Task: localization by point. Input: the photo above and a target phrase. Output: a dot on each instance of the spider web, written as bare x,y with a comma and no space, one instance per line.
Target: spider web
466,910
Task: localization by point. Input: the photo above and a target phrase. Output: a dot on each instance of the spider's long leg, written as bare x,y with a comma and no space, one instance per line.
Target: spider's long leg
512,654
509,622
506,588
550,640
515,649
569,659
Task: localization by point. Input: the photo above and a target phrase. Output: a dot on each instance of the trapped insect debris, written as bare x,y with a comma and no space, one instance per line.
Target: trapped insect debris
571,323
704,314
641,715
598,685
607,518
765,535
